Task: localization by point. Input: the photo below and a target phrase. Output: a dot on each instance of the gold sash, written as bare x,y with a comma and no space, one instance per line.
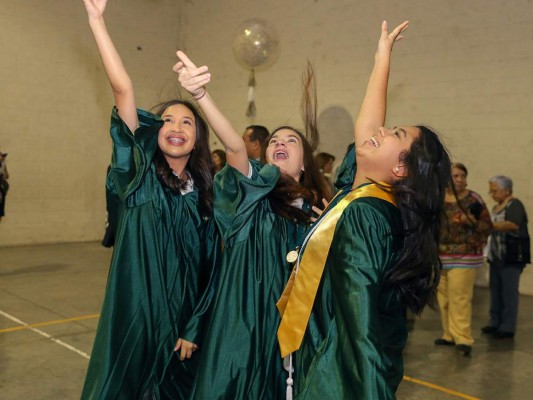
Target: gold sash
299,295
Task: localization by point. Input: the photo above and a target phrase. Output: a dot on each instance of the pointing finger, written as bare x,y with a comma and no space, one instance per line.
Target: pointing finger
186,60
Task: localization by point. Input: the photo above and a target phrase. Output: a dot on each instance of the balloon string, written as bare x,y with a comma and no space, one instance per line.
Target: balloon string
251,110
251,79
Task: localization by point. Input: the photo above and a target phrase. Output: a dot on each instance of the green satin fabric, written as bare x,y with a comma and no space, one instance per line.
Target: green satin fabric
346,171
162,248
353,345
239,355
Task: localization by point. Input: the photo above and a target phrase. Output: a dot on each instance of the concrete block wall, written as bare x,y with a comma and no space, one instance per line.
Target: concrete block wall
56,105
464,68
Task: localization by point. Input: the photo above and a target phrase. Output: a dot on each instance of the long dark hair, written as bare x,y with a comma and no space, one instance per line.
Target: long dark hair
200,164
420,198
312,186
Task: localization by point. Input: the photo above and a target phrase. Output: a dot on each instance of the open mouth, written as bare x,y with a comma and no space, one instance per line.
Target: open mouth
175,140
374,141
280,155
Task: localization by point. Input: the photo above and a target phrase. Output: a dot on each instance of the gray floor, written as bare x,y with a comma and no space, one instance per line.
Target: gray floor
57,290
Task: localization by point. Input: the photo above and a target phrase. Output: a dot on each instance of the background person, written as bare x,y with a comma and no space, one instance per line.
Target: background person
254,137
509,252
4,184
464,233
219,159
325,162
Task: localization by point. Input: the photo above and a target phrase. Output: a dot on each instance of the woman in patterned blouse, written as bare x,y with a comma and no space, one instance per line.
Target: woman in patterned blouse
463,235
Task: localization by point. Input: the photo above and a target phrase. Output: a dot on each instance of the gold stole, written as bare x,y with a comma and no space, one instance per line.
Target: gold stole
299,295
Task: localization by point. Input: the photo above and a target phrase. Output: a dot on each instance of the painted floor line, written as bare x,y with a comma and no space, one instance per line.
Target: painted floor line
439,388
59,321
33,328
46,335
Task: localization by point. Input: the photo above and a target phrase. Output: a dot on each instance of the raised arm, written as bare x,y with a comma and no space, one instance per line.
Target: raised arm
193,79
116,72
373,110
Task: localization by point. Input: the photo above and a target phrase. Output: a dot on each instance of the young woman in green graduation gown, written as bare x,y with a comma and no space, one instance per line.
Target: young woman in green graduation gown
262,212
161,175
372,253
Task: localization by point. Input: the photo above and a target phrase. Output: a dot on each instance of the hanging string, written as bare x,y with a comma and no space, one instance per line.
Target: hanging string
287,364
251,111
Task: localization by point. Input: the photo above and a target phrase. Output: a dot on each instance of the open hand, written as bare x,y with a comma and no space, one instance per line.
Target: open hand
387,40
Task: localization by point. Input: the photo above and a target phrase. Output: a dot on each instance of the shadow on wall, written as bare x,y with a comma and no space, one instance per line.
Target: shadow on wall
335,125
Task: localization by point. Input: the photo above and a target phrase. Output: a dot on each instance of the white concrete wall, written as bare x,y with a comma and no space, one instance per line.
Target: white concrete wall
465,68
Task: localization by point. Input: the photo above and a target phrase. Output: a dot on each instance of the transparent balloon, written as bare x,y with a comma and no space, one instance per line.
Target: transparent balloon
256,44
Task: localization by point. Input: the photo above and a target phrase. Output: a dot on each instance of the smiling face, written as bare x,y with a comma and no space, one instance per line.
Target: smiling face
285,150
380,156
177,136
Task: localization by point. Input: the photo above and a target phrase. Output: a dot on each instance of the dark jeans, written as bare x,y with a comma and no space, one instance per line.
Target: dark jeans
504,295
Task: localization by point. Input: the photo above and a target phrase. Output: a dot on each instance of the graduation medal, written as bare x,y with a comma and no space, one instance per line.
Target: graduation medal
292,256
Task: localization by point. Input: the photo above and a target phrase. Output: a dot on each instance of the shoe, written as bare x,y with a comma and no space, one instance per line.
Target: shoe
502,335
464,348
489,329
443,342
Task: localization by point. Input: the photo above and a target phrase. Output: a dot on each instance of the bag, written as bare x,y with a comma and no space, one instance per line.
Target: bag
517,249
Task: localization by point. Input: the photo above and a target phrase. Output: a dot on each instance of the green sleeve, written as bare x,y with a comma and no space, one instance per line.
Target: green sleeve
346,171
210,271
238,197
132,154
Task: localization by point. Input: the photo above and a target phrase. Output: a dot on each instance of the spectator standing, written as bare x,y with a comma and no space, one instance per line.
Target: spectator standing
325,161
463,236
254,136
4,185
509,252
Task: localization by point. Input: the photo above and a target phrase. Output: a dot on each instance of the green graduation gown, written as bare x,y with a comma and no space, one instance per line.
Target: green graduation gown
352,348
239,352
163,244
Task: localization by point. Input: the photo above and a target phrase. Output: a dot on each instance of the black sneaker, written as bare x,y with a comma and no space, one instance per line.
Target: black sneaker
489,329
443,342
465,349
502,335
